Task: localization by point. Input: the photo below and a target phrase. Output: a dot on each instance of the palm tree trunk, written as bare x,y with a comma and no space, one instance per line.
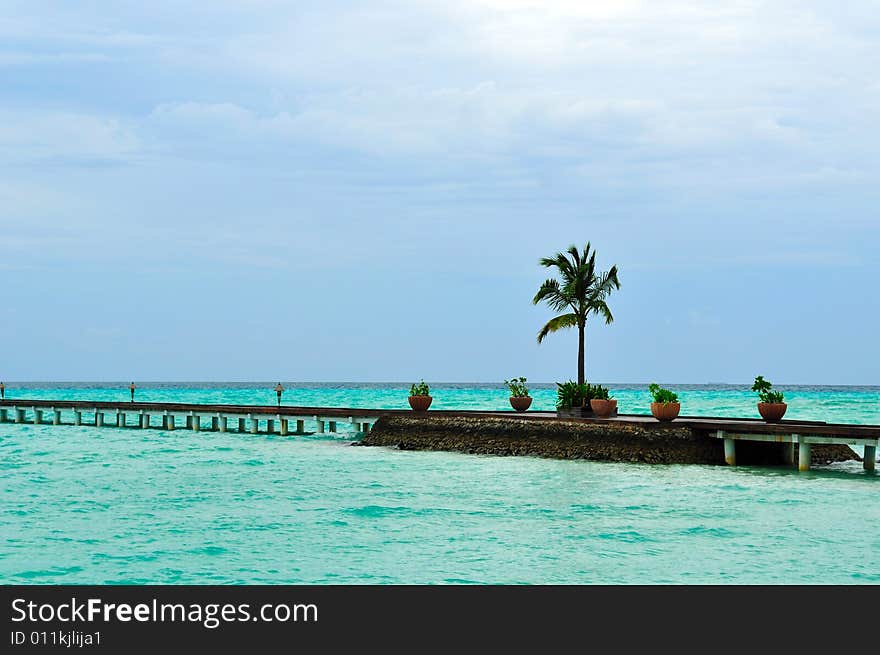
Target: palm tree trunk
580,354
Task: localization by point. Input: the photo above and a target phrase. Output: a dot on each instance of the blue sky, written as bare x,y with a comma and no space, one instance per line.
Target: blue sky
361,191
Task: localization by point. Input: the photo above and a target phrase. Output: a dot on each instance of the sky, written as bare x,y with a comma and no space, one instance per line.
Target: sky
361,191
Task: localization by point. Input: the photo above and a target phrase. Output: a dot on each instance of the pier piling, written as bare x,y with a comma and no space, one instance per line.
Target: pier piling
804,455
729,448
869,461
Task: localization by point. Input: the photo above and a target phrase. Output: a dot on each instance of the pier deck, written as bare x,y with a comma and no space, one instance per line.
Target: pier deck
277,420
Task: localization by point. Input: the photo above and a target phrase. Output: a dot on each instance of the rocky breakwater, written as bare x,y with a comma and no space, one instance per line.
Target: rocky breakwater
609,441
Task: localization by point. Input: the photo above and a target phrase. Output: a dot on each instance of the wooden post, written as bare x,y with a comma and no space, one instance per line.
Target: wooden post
869,461
284,427
300,426
242,425
222,424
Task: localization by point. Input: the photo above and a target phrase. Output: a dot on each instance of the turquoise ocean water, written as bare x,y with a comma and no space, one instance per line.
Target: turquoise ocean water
86,505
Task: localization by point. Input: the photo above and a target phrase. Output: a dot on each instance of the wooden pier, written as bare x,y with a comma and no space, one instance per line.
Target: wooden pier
251,419
289,420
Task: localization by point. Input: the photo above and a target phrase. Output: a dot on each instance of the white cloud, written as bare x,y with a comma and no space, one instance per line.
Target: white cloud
684,94
33,136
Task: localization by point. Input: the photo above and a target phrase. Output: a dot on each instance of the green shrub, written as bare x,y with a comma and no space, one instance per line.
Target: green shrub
662,395
517,387
600,393
571,394
420,389
765,393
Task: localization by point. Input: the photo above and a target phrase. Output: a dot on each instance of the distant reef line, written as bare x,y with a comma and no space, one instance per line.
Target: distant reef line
561,439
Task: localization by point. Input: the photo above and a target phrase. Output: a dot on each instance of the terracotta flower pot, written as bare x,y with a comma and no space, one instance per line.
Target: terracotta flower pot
602,408
665,411
772,412
520,403
614,405
420,403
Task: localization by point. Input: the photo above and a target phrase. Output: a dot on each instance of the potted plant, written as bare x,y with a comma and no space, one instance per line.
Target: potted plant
602,404
665,406
520,399
420,397
771,406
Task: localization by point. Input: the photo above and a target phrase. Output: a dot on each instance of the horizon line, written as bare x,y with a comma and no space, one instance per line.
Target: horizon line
406,383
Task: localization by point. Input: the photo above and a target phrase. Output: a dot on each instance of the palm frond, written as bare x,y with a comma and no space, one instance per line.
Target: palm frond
590,266
558,323
553,295
575,255
601,308
560,261
608,280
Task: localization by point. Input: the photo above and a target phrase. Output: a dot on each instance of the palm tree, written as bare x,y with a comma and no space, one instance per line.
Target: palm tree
580,292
